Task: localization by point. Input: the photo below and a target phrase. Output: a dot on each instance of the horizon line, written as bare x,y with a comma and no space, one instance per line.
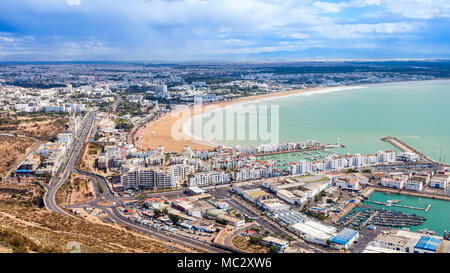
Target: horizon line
255,61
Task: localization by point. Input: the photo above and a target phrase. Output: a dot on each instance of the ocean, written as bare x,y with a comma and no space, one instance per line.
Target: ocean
415,112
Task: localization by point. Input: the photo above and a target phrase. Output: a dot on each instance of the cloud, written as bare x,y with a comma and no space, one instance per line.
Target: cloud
73,2
418,9
170,29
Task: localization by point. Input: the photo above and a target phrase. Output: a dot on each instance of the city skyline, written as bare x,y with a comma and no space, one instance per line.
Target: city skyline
77,30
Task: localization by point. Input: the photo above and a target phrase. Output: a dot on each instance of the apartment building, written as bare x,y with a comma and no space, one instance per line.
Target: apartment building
204,179
440,181
146,178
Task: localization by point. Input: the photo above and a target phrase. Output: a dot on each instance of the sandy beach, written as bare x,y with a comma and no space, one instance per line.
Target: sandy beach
161,131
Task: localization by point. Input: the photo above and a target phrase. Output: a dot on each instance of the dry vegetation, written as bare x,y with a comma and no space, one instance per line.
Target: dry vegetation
14,148
12,151
90,153
77,189
34,229
42,127
22,194
245,244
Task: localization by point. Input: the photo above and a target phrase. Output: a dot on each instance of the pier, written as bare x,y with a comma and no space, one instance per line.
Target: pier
408,148
400,206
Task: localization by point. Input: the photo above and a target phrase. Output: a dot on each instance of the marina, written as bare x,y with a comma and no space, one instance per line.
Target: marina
365,216
284,158
434,211
299,151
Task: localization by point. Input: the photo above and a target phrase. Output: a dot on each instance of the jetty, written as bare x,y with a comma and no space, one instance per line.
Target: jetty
400,206
404,147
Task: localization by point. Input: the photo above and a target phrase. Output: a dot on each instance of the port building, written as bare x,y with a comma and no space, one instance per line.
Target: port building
345,238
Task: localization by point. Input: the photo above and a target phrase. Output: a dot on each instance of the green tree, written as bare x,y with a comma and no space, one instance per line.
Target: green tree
174,218
273,249
157,213
256,240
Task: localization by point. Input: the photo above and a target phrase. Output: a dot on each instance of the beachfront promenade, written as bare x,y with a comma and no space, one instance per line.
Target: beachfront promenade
408,148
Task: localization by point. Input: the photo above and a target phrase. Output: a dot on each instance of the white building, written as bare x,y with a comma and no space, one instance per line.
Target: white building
348,183
147,178
338,163
314,232
65,138
161,92
414,185
392,183
440,181
289,197
278,243
134,98
203,179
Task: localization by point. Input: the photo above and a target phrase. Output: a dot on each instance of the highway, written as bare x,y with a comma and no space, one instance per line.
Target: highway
66,168
116,104
114,214
107,195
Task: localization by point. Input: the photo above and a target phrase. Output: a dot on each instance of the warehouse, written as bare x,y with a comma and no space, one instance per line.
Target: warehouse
344,239
314,232
427,245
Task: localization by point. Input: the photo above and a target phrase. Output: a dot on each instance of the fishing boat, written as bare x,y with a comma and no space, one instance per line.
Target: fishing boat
427,231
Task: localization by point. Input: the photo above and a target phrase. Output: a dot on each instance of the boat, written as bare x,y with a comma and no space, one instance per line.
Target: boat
427,231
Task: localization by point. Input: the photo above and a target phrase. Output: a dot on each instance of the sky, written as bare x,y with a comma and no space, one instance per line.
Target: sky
199,30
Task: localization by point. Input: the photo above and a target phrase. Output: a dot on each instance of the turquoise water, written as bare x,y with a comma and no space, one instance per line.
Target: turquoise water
438,217
416,112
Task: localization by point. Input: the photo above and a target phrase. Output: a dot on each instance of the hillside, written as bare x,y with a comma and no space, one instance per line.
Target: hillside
26,227
12,151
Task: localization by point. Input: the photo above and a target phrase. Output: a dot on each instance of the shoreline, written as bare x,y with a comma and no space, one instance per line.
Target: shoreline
258,99
162,127
161,131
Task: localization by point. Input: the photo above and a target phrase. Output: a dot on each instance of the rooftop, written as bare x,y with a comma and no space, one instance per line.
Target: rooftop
344,236
428,243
